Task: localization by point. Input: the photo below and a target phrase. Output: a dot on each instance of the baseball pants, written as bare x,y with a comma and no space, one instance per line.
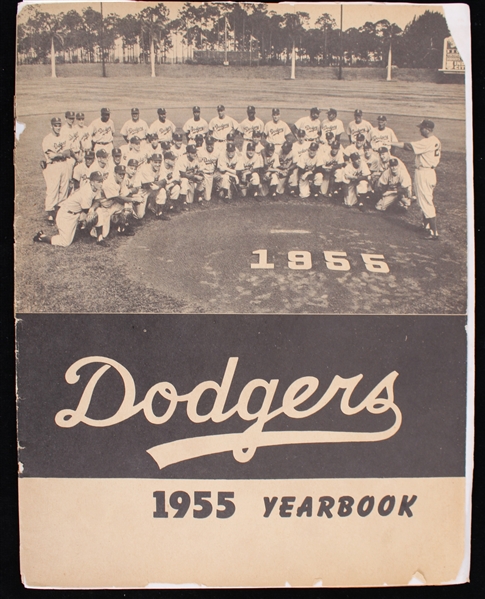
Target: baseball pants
188,188
424,184
170,193
56,177
208,183
66,222
353,190
272,181
105,214
305,184
252,179
389,197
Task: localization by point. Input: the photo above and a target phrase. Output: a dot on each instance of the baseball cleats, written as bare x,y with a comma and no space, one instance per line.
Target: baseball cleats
102,243
38,236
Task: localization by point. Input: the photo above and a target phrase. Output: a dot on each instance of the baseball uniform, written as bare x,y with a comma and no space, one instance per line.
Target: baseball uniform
379,138
287,164
102,133
194,127
363,127
225,175
189,168
427,157
164,130
133,128
331,166
394,187
312,127
208,164
247,169
336,127
307,174
221,127
354,186
276,133
56,172
70,213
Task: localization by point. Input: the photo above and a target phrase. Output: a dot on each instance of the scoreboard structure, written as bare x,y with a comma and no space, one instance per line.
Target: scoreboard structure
452,61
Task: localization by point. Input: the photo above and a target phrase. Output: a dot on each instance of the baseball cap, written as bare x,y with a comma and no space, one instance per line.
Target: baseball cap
169,155
165,145
199,136
156,158
56,121
89,154
270,147
393,162
102,154
230,137
358,112
355,156
313,146
383,150
426,124
329,135
191,149
105,111
275,111
120,169
132,162
360,137
177,137
257,133
335,145
250,146
220,107
135,140
331,111
286,147
135,111
79,116
70,114
301,133
315,110
382,117
251,109
116,152
196,109
231,147
96,176
161,111
210,141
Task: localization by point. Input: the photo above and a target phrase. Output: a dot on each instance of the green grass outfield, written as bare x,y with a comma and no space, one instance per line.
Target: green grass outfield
194,264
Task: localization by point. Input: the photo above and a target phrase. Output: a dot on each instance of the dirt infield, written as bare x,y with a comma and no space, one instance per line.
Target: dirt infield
212,250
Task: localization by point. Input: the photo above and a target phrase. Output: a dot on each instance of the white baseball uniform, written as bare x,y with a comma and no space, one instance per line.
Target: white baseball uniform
133,128
393,187
56,173
69,214
246,127
308,164
102,134
354,128
164,130
208,164
428,155
221,127
276,133
248,169
189,167
380,138
354,186
192,128
226,171
336,127
313,127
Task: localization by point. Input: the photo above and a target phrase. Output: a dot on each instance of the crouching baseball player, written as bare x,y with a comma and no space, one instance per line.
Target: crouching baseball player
332,163
394,185
310,177
356,177
147,179
78,208
208,163
191,177
287,165
269,173
169,186
248,170
226,178
110,204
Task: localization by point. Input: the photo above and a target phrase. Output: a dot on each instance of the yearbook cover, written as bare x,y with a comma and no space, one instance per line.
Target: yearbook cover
244,294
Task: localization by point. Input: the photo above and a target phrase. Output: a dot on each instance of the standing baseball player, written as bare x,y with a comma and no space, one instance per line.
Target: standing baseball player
382,135
163,127
74,210
332,124
71,132
56,172
208,163
195,125
221,125
311,125
358,125
276,131
102,131
84,134
134,127
427,153
249,125
394,185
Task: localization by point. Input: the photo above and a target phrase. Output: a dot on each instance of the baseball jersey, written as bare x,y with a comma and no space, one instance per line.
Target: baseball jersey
363,127
169,174
247,127
145,174
179,151
188,167
286,160
72,135
312,127
351,173
54,144
336,127
104,170
383,164
327,160
221,127
428,152
380,138
393,182
84,137
225,163
208,160
276,132
270,162
245,163
81,199
81,173
193,128
102,132
163,130
300,149
307,163
129,185
351,148
111,189
132,128
128,153
373,162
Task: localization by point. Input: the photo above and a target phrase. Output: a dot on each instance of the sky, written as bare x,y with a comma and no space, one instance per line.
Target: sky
354,14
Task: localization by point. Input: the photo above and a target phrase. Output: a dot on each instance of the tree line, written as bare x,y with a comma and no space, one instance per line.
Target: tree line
211,29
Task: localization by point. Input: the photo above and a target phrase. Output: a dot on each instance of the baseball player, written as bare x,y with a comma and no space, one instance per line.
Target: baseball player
221,125
114,159
84,136
179,148
373,161
331,124
310,177
226,178
102,163
427,153
102,131
356,176
83,170
332,162
357,146
147,180
300,148
134,127
358,125
71,132
163,127
110,203
311,125
152,144
249,125
257,141
276,131
287,166
199,141
270,171
55,170
382,135
192,179
133,150
132,195
394,185
170,181
72,211
195,125
248,170
208,163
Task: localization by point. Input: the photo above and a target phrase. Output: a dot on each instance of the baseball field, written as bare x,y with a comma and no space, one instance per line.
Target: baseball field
210,261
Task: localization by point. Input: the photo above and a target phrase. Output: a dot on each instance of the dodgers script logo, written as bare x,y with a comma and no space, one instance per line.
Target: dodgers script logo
244,444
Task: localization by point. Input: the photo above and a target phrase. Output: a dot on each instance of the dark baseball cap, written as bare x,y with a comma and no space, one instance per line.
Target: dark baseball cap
220,107
116,152
210,141
56,121
426,124
355,156
270,147
156,158
275,111
230,137
89,154
335,145
360,137
191,149
161,111
257,133
301,133
251,109
165,145
196,109
331,111
135,140
105,111
70,115
393,162
329,134
135,111
79,116
152,136
313,146
102,154
382,117
96,176
383,150
231,147
286,147
358,112
177,137
251,146
169,155
199,136
314,110
120,169
132,162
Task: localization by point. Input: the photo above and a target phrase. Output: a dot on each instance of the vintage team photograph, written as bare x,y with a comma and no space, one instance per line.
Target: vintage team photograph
240,158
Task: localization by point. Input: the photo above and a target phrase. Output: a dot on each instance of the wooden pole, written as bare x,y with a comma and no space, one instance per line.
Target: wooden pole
341,42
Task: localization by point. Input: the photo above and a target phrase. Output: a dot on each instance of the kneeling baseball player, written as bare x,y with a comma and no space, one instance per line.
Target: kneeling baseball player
356,176
248,170
394,185
310,176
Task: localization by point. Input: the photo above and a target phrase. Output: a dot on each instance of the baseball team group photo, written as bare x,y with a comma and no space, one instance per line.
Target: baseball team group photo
240,159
